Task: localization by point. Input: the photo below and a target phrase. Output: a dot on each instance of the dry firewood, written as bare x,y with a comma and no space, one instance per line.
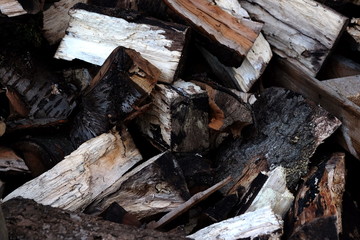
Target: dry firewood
348,87
36,95
354,31
25,219
116,213
260,224
84,174
288,129
80,77
56,20
318,204
116,92
255,62
274,193
12,8
291,77
91,37
2,127
198,197
178,118
296,31
338,66
10,161
153,187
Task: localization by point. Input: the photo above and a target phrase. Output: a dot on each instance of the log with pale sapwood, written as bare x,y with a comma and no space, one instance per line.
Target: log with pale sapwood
13,8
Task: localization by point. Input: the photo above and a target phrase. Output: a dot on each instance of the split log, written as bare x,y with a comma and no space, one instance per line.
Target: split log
354,31
318,203
56,20
295,30
178,118
25,219
10,161
255,62
153,187
338,66
291,77
260,224
84,174
12,8
90,37
288,129
122,84
348,87
274,194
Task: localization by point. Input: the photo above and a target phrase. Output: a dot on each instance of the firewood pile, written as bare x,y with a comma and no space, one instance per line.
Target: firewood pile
164,119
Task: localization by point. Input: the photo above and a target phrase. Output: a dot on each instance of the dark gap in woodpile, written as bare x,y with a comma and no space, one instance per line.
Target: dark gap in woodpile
181,119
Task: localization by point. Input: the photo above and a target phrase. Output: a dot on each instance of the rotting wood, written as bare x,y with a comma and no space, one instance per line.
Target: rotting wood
78,179
295,30
234,37
287,130
198,197
13,8
117,91
34,221
153,187
293,78
348,87
255,62
178,118
91,37
262,223
56,19
318,203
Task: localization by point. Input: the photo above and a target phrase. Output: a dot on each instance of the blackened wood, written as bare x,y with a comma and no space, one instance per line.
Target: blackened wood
3,229
178,118
291,77
26,219
354,31
91,37
295,32
287,130
116,92
116,213
318,204
155,186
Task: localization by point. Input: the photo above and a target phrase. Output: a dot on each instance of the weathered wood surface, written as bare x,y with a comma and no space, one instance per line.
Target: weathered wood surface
153,187
234,37
348,87
84,174
318,204
296,31
255,61
117,91
262,224
287,130
3,229
178,118
354,31
289,76
91,37
10,161
338,66
25,219
56,20
13,8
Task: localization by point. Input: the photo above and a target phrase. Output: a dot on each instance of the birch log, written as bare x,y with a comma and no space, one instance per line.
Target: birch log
260,224
255,61
94,32
296,31
84,174
56,20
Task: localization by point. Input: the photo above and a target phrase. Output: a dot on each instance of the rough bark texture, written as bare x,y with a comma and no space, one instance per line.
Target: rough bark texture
26,219
318,204
296,31
288,129
116,92
91,37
